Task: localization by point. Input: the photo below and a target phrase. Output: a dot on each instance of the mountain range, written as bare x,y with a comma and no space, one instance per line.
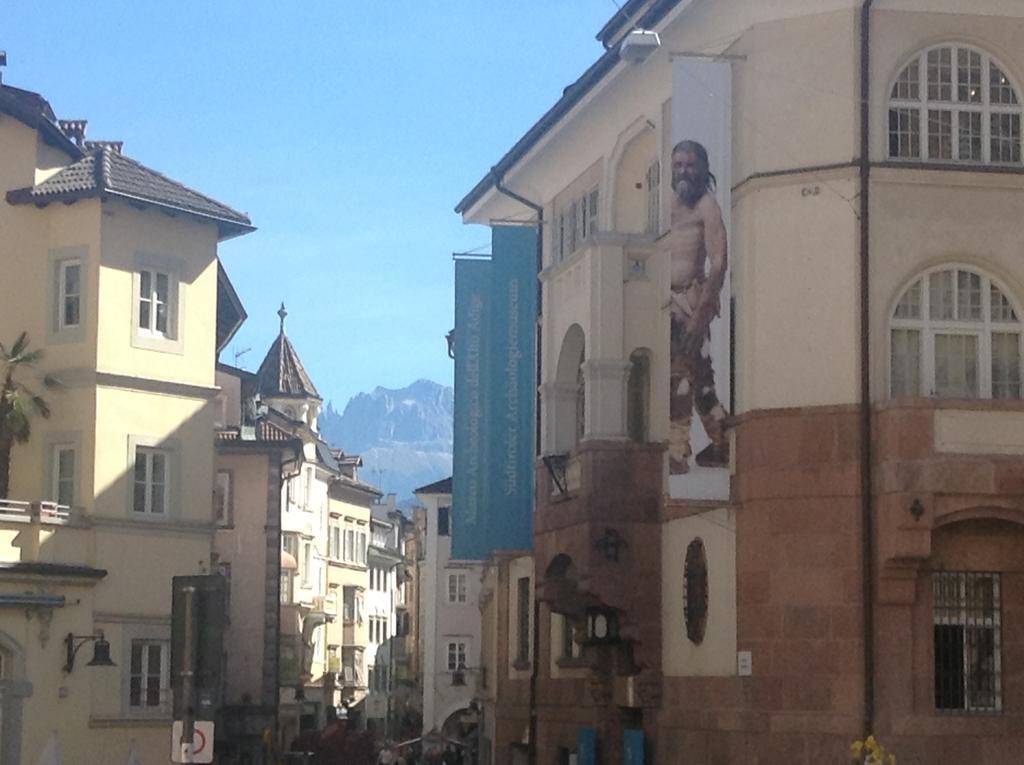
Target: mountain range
404,436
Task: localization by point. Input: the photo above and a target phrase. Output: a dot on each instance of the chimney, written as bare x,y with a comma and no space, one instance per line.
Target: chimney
73,129
3,63
114,146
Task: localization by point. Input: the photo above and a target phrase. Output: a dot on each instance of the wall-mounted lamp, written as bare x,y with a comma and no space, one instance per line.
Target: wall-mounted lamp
100,651
916,509
638,45
602,626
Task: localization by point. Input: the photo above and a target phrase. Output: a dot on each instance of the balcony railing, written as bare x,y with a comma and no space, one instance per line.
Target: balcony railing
24,512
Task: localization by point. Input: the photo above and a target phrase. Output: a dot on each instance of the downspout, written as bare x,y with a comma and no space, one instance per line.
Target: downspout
295,462
866,456
535,664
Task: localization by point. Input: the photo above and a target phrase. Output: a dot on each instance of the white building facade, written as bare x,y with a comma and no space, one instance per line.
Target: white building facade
449,617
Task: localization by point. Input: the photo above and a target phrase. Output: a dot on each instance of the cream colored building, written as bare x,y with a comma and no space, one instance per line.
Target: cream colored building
862,573
347,583
111,497
253,456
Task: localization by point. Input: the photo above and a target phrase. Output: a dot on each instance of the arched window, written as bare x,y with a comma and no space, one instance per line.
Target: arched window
952,103
955,333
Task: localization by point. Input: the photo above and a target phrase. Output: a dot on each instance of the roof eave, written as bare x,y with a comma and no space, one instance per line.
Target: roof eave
571,97
226,228
236,302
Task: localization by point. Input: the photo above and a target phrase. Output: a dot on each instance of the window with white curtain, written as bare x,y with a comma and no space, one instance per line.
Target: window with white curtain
955,333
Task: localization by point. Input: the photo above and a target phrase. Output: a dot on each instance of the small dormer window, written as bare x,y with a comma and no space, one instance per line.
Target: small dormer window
953,103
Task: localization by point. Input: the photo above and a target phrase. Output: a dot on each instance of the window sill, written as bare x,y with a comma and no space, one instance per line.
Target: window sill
158,343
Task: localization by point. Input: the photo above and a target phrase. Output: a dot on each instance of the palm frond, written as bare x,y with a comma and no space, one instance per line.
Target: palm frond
26,358
19,346
41,407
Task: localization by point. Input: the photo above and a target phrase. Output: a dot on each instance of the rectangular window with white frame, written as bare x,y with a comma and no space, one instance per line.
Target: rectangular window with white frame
64,462
155,302
149,675
458,651
457,588
307,490
157,306
151,477
350,545
334,541
66,299
307,563
69,306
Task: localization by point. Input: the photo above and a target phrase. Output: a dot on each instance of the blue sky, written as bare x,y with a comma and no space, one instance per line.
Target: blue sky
347,130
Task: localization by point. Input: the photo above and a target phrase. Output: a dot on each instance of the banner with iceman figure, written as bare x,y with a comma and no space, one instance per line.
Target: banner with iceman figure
495,396
698,300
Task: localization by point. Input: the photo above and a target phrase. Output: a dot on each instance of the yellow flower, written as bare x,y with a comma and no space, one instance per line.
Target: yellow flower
856,749
892,759
871,744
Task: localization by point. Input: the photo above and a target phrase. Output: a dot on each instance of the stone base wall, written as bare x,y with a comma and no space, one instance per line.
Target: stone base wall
799,601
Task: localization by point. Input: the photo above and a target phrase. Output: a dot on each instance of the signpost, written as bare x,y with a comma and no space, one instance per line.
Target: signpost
197,638
199,750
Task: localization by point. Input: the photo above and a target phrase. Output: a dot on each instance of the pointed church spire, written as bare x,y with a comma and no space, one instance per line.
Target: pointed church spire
282,372
283,313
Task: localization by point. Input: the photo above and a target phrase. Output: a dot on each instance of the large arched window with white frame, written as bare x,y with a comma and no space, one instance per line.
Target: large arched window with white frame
955,333
955,103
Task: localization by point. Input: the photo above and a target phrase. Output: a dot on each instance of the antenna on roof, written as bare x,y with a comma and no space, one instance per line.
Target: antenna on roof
239,354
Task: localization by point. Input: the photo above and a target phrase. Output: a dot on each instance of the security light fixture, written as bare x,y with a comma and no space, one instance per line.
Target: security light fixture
100,652
637,46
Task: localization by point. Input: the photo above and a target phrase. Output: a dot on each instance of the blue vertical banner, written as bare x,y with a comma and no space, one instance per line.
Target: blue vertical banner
633,747
495,396
586,746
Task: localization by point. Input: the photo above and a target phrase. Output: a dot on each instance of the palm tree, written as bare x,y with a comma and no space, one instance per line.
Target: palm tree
18,403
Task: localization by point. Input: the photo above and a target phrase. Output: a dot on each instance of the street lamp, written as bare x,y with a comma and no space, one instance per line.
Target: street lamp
602,625
100,652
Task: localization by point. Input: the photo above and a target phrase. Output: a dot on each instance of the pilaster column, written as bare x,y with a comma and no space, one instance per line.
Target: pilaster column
605,398
557,417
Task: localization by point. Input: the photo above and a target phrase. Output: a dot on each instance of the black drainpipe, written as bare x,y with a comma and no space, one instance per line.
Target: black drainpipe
535,664
867,519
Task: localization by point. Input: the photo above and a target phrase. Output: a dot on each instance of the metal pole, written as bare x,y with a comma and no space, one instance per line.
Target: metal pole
188,674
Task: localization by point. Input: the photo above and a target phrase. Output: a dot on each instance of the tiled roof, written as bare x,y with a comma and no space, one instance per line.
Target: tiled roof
34,110
444,486
355,483
108,173
282,373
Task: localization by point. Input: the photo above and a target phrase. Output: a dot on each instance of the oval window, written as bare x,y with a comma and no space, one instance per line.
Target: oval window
695,591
